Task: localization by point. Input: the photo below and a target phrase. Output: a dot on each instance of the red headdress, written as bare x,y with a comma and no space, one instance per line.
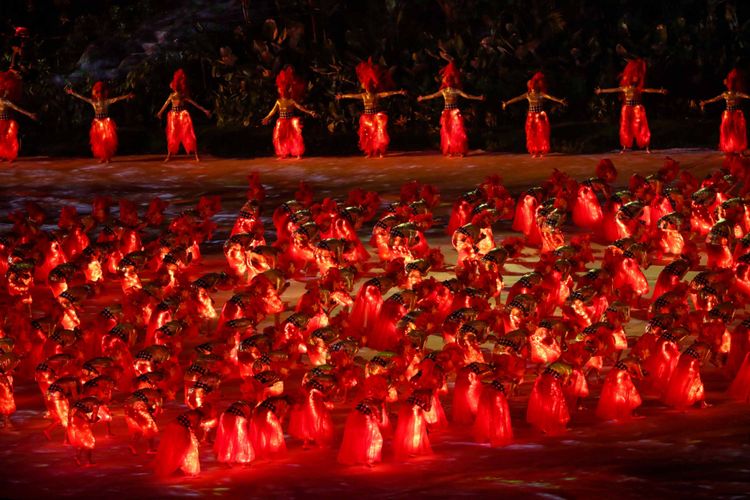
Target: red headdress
10,82
734,81
289,84
537,83
451,76
179,83
634,71
368,75
99,91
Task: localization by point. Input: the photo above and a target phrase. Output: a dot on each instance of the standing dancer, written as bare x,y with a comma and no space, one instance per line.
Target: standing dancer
179,123
452,132
287,134
537,123
10,92
373,132
103,133
733,138
633,122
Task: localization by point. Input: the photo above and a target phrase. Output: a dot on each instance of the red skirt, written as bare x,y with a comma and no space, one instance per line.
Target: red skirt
365,311
7,401
79,431
233,443
373,134
740,388
452,133
178,449
537,133
659,367
311,420
436,418
587,213
685,386
619,397
266,434
466,394
634,127
493,419
548,410
733,137
103,138
411,433
140,421
363,442
287,137
8,140
180,131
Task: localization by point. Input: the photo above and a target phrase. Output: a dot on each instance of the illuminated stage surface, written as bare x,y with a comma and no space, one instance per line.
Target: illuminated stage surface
701,452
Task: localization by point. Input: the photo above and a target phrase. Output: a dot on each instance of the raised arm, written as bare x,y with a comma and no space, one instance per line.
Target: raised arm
164,108
20,110
304,109
204,110
267,118
430,96
391,93
562,102
348,96
514,100
72,92
469,96
615,90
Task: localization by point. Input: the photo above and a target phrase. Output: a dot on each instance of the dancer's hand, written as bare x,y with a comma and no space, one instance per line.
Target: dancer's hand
482,98
420,98
33,116
208,114
402,92
69,90
597,91
130,96
338,97
265,121
564,102
663,91
505,105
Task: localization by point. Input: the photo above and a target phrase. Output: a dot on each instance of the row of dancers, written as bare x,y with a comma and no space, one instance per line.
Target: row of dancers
162,337
373,123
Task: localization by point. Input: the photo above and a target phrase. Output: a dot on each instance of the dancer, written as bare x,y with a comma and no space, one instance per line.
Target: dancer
452,132
10,92
103,133
363,441
633,123
83,413
233,443
733,132
373,132
287,134
537,123
179,123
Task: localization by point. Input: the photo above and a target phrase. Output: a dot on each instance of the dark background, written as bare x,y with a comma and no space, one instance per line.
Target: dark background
690,45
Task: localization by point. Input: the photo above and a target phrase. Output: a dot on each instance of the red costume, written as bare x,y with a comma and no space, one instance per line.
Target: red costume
363,441
633,122
233,443
619,396
373,124
733,138
287,134
537,123
103,133
179,123
547,409
178,448
493,416
411,430
10,88
685,386
453,139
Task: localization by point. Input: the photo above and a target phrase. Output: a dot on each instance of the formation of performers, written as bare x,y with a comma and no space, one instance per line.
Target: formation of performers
373,124
356,337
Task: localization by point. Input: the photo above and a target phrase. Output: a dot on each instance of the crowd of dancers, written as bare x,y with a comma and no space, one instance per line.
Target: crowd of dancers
376,85
356,338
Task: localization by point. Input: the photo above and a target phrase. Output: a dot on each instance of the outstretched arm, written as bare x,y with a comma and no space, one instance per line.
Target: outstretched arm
654,91
430,96
20,110
164,108
391,93
72,92
711,101
555,99
205,111
348,96
514,100
120,98
469,96
270,113
614,90
742,95
304,109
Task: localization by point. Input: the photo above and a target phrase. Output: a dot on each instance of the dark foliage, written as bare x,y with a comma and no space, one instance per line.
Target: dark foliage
232,49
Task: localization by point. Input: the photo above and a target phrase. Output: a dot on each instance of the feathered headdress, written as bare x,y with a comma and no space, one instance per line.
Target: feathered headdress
451,76
634,73
99,91
290,86
734,81
179,83
373,77
537,84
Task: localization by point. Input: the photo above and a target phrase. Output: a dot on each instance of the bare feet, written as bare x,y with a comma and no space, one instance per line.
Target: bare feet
166,160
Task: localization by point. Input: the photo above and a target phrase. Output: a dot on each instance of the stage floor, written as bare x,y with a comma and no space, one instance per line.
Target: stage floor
701,452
